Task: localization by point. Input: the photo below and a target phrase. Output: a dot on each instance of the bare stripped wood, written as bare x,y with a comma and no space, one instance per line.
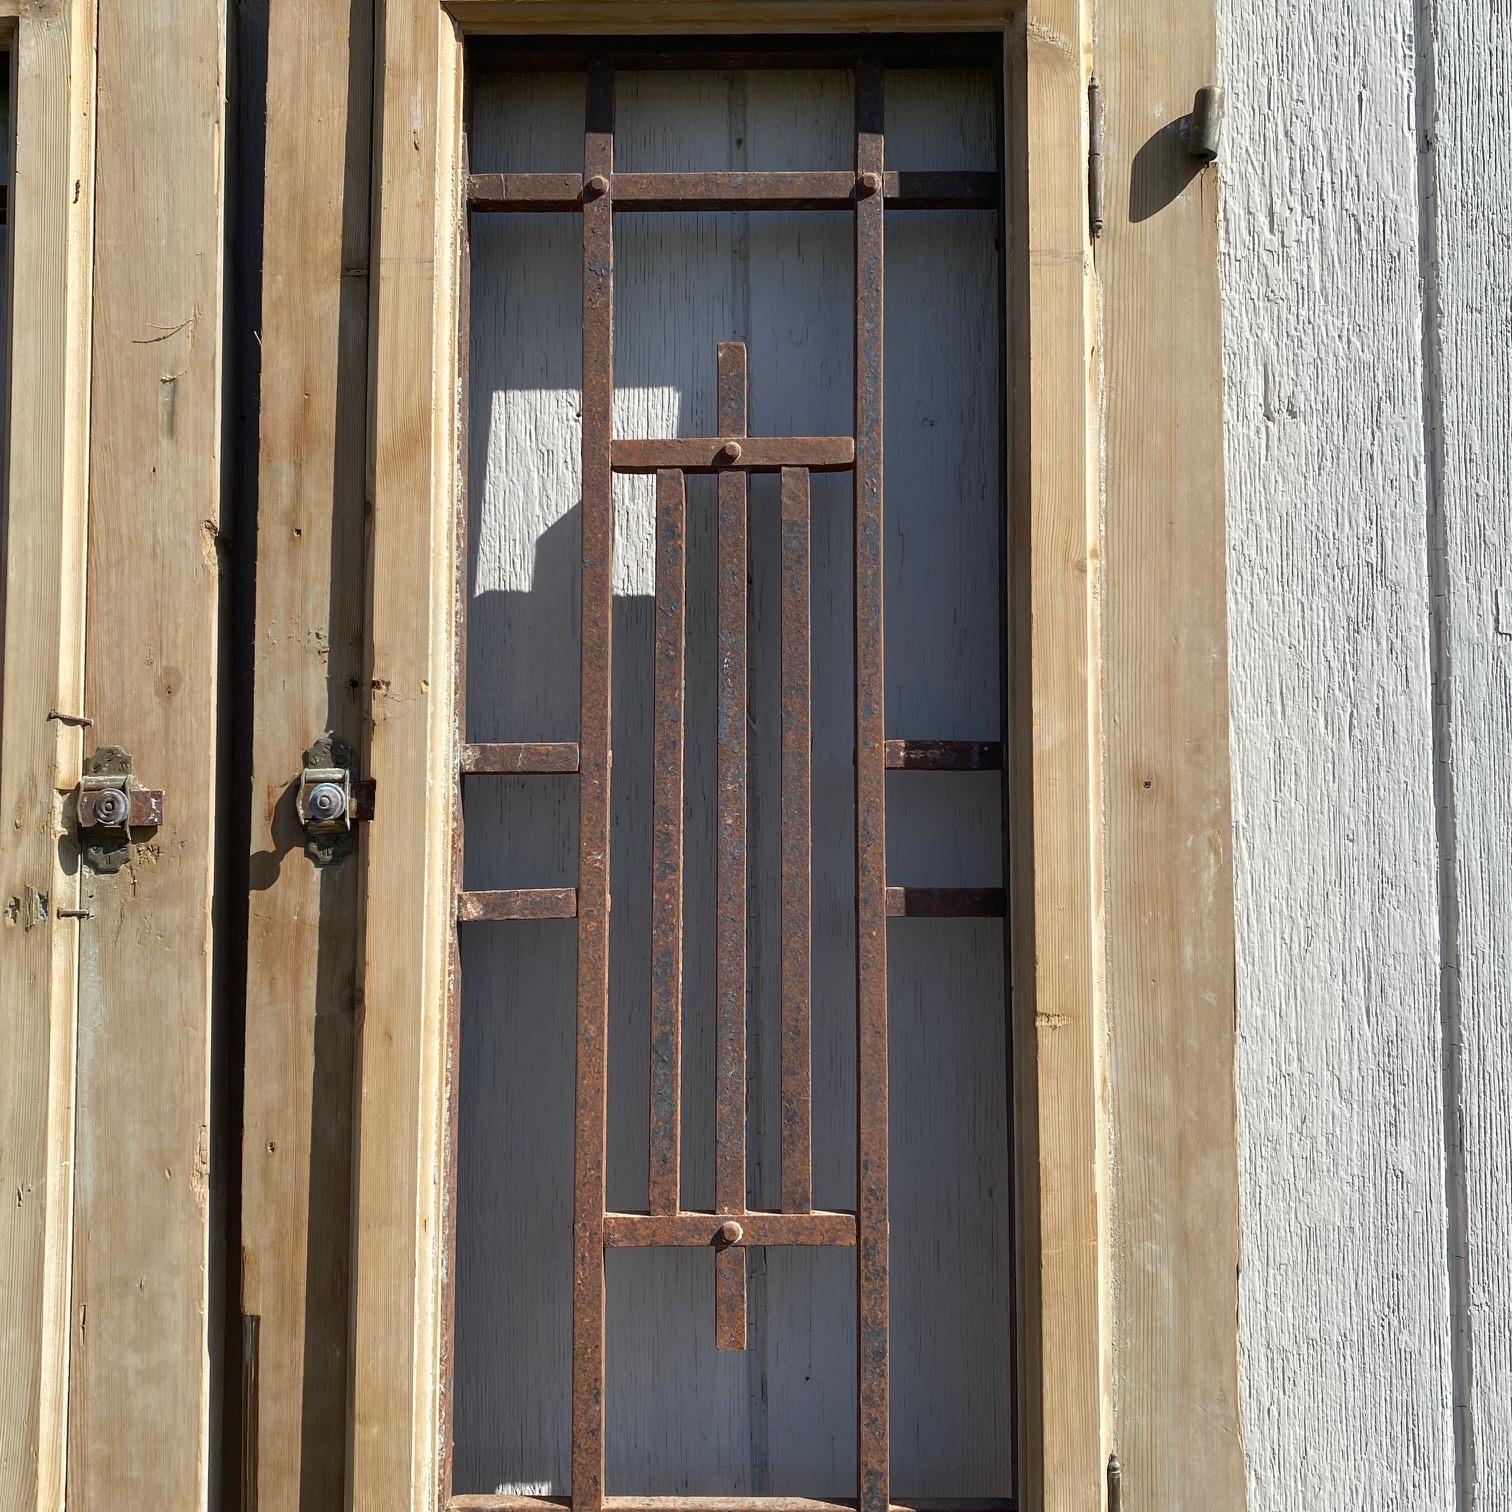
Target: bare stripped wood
797,861
499,1502
1054,777
594,811
394,1407
42,594
732,190
509,903
944,756
667,845
1170,967
139,1371
514,759
755,454
693,1229
946,902
303,941
609,16
732,865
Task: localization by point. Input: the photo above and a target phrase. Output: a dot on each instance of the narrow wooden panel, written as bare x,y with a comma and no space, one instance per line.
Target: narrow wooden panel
303,940
509,903
797,862
667,845
610,16
41,601
506,1503
139,1386
757,453
1055,777
1170,983
693,1229
394,1407
513,759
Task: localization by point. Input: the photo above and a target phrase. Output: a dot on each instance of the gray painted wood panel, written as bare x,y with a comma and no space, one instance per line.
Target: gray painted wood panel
681,1416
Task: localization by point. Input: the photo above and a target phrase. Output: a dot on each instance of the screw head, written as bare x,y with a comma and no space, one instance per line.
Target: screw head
730,452
596,187
110,807
869,183
730,1232
325,802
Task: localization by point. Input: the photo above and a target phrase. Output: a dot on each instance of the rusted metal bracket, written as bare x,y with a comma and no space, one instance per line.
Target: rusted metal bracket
331,799
112,809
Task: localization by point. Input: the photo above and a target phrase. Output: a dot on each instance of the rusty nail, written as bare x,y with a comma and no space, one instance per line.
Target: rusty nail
730,452
74,913
597,187
870,182
81,721
730,1232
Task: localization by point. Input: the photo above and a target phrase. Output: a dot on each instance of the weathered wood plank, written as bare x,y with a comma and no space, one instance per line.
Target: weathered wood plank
1055,773
140,1386
42,674
1166,843
309,673
1342,1177
613,16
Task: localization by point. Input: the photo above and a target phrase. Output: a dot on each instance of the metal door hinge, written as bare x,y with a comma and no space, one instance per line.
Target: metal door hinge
1204,127
1115,1484
112,810
1094,158
331,799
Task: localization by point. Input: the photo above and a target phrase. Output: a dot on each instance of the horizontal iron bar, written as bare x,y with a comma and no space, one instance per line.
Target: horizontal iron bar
683,1230
944,756
514,758
521,54
517,903
744,190
705,454
488,1501
946,902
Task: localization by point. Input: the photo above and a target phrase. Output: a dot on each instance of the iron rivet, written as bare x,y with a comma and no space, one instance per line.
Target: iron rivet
730,452
110,808
730,1232
597,186
870,182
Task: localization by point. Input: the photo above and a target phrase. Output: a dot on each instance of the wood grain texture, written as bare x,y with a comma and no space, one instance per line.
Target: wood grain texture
397,1333
1166,840
309,635
41,602
140,1386
1344,1300
682,1418
1054,773
1465,75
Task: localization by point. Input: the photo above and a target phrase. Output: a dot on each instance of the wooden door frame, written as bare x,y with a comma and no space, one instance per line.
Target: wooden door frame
1061,813
50,215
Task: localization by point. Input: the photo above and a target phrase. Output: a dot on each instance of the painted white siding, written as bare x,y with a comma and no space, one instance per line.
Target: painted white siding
1366,284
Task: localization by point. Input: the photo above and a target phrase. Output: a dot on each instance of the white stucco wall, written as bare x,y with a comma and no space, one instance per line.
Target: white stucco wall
1366,286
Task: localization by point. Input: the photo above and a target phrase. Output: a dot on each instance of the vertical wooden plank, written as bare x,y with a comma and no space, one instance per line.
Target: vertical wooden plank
1055,776
41,601
1170,985
140,1385
309,634
408,879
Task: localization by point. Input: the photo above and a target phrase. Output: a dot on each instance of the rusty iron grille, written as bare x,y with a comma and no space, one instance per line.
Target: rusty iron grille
599,193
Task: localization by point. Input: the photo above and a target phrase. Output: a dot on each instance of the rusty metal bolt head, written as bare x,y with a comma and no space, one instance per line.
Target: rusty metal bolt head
325,802
730,452
730,1232
596,187
111,807
869,183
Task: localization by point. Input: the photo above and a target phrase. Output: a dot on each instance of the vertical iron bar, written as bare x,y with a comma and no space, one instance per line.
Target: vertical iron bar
797,848
593,799
667,844
874,1488
730,878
